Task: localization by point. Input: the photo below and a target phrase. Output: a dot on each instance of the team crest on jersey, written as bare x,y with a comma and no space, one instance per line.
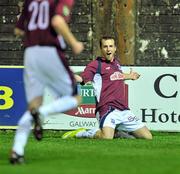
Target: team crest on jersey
66,11
116,76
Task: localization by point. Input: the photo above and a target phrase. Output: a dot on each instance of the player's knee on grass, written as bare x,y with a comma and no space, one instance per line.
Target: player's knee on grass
143,133
107,133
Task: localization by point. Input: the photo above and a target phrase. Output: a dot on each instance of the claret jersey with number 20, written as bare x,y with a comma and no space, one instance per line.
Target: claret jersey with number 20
35,20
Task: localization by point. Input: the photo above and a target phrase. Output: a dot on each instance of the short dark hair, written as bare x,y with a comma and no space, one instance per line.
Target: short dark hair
105,38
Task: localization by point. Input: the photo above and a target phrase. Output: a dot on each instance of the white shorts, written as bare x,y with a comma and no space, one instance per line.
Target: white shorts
44,68
121,120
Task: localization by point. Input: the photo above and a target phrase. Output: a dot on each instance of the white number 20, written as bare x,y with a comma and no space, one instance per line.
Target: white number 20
40,15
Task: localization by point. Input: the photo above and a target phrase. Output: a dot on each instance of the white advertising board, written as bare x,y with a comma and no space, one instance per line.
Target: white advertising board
154,98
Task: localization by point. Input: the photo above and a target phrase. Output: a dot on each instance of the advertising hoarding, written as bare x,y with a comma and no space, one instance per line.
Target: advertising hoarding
154,98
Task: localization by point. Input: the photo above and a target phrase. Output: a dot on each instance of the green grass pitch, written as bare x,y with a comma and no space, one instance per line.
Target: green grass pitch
88,156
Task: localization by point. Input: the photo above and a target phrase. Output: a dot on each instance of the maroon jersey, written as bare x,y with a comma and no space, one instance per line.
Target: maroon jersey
110,89
35,20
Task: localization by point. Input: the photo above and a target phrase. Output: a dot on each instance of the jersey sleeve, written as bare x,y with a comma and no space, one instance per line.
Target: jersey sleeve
89,72
64,8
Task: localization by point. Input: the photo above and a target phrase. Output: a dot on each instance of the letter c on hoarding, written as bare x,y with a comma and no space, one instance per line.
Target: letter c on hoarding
6,97
157,86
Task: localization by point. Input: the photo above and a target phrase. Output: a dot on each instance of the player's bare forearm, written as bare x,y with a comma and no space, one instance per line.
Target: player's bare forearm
63,29
18,32
131,76
78,78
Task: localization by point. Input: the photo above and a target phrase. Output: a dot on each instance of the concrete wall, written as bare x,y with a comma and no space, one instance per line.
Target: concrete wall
147,32
158,33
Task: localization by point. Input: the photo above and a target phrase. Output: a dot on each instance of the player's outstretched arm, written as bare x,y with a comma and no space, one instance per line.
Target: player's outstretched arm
78,78
132,75
62,28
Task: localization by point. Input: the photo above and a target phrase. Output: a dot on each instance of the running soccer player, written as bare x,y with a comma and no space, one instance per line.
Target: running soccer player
44,25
